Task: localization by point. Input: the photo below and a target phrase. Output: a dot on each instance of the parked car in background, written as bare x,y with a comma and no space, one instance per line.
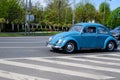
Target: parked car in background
83,36
116,32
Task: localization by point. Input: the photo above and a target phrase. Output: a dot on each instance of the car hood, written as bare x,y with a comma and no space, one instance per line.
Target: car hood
56,37
115,31
65,34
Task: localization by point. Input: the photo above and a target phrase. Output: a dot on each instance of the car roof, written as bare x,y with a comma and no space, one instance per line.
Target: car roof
117,27
91,24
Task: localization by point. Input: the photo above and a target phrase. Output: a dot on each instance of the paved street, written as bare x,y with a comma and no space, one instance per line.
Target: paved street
28,58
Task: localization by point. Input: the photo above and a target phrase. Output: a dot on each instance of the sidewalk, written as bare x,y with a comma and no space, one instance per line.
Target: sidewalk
40,33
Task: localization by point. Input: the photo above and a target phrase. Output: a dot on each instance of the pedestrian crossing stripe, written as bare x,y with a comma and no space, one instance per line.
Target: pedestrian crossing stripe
56,70
78,65
104,58
17,76
89,56
115,55
17,47
92,61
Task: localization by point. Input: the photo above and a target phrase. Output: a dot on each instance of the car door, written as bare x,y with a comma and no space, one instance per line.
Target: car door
102,36
89,37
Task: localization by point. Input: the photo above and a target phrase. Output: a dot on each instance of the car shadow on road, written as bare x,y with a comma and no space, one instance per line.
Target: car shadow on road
92,51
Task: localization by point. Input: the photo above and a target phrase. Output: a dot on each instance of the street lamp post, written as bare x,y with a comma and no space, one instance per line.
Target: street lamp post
27,15
26,24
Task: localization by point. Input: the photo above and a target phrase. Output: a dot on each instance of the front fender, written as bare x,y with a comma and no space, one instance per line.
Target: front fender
67,39
109,39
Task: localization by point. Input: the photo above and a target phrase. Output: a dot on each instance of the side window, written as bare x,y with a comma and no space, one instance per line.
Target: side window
90,30
102,30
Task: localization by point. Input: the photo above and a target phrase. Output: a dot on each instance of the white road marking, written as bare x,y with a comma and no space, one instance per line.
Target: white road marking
56,56
19,42
26,37
79,65
56,70
95,61
118,55
104,58
22,47
17,76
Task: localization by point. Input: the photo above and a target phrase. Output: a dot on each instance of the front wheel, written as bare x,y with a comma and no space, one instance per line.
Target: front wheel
70,47
110,46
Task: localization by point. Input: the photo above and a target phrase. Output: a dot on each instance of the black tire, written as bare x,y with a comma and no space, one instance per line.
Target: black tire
110,46
70,47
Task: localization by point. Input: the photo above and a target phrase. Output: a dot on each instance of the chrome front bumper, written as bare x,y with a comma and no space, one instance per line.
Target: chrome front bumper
52,46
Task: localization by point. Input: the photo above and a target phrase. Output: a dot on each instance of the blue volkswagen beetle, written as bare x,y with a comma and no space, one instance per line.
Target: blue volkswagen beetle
83,36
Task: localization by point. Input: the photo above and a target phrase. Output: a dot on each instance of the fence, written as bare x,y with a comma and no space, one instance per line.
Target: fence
21,28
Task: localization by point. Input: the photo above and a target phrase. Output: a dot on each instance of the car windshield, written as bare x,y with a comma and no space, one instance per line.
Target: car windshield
76,28
117,28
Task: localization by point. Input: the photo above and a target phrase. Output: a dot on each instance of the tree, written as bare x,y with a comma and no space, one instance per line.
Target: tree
14,11
104,10
37,11
85,12
79,13
21,12
3,8
114,18
90,12
9,9
58,12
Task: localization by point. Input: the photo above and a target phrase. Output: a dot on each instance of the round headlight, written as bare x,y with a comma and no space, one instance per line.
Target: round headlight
59,41
50,38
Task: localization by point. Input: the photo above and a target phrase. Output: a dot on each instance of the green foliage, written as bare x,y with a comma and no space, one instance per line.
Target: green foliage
58,13
2,20
114,18
9,10
85,12
3,8
38,12
104,10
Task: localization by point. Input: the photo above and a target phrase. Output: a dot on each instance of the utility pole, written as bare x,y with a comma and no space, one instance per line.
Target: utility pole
27,16
26,23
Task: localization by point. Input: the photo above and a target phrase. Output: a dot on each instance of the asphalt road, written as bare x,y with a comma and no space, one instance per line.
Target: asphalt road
16,47
28,58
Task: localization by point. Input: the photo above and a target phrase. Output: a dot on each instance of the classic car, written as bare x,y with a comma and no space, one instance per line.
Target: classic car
116,32
83,36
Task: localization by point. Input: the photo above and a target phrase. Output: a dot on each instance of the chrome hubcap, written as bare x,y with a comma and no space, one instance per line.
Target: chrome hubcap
70,47
111,46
